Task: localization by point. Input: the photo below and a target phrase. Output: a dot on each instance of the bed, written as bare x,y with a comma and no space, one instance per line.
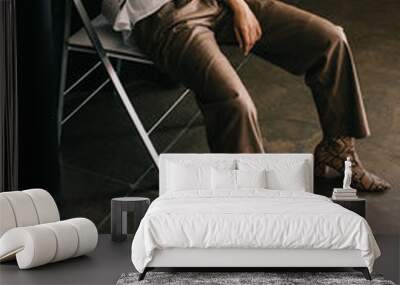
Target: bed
247,210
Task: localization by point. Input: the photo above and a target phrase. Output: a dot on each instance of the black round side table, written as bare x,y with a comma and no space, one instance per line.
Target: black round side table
119,209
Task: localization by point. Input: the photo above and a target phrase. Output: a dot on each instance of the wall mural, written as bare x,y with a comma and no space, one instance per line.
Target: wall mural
103,156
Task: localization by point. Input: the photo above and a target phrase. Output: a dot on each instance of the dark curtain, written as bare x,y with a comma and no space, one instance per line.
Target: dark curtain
8,98
40,38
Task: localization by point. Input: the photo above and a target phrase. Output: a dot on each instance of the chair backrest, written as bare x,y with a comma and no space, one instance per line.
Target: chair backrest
231,161
26,208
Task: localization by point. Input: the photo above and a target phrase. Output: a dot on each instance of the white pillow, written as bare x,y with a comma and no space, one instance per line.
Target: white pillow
201,162
188,177
223,179
290,179
227,179
281,174
251,178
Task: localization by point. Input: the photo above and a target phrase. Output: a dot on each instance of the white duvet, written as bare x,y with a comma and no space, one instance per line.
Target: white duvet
250,219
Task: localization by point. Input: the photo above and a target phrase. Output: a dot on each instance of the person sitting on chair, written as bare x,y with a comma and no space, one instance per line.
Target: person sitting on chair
183,38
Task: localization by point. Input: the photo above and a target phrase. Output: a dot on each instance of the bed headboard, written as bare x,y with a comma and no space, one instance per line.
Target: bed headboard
210,157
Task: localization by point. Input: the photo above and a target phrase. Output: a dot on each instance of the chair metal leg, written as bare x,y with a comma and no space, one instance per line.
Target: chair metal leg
118,68
116,82
64,68
365,272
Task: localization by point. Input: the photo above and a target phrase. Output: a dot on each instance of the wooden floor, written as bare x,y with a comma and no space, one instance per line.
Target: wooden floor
106,264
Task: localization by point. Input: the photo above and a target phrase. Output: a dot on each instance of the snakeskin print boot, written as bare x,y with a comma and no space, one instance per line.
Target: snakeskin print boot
333,152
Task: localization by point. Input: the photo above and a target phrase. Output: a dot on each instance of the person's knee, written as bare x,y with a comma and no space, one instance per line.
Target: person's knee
335,36
242,107
231,102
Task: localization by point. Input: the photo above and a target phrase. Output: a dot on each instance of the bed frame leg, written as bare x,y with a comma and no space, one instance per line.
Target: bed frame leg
364,271
143,274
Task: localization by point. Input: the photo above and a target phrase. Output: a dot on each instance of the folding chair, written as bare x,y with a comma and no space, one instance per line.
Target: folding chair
98,37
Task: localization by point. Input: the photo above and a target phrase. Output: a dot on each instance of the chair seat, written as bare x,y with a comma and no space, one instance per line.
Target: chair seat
112,41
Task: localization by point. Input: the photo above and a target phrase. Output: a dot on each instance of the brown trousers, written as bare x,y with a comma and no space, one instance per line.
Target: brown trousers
183,39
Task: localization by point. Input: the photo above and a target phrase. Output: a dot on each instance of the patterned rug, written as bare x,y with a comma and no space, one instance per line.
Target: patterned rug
244,278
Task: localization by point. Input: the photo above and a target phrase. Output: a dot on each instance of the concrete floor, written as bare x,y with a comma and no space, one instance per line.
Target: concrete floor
103,158
106,264
103,266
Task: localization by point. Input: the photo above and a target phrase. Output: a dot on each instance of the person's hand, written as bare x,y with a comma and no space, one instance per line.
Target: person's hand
245,24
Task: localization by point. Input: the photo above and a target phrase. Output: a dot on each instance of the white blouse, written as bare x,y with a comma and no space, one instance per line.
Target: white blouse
134,10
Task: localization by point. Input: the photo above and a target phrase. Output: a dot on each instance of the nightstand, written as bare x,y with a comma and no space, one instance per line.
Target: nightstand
119,209
357,205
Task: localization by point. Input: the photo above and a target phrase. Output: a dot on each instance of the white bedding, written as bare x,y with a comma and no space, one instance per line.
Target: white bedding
250,218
